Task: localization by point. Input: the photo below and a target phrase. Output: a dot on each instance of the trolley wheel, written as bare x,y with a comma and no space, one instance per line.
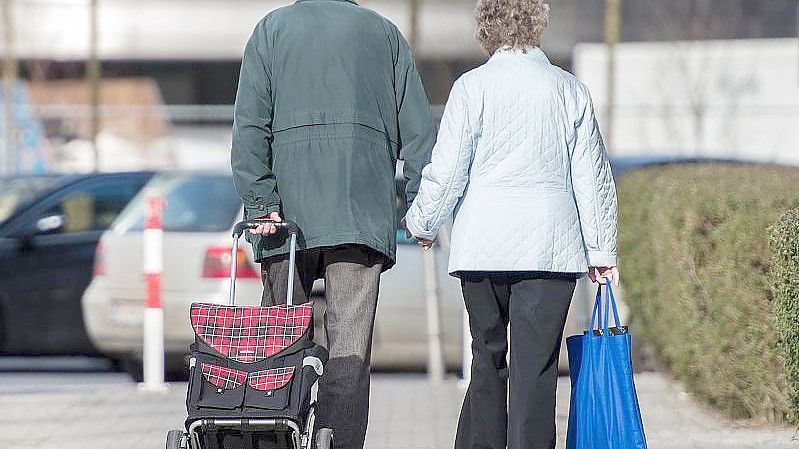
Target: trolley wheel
174,438
324,438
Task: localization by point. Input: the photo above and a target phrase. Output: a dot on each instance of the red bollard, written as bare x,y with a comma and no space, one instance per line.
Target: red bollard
152,239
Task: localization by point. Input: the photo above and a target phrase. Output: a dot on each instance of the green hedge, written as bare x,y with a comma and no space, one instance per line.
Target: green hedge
694,257
784,246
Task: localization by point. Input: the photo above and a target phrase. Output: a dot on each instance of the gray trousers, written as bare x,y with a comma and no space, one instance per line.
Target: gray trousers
536,306
352,277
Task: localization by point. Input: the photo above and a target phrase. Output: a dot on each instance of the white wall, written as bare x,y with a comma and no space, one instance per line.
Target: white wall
735,98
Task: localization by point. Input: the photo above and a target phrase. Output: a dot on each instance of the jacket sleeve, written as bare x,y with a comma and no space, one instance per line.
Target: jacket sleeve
417,130
594,187
251,152
445,178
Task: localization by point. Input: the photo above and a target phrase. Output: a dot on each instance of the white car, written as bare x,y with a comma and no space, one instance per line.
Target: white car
201,209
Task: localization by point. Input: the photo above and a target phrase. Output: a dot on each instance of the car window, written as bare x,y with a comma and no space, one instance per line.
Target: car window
95,205
17,193
194,203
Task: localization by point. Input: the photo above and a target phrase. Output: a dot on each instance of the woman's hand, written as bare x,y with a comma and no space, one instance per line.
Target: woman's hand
424,243
598,274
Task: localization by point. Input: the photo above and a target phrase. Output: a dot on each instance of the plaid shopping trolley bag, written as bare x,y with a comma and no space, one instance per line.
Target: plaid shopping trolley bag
254,372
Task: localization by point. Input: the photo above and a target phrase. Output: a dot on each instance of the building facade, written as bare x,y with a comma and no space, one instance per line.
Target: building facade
192,48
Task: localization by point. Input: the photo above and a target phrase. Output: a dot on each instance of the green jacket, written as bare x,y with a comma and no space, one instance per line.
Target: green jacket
329,98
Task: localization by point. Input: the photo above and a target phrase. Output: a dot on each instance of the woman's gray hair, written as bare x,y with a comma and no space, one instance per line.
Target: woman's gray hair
517,24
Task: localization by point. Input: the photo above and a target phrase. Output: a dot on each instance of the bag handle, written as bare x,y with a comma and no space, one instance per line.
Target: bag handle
610,304
610,301
597,312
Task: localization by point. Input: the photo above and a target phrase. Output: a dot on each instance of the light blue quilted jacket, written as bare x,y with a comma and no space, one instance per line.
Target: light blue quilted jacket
521,163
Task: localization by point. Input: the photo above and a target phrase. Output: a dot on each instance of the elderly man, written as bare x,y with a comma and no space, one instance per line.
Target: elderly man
328,99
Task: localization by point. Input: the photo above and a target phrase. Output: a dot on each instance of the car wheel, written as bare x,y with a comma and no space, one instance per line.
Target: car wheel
134,367
116,364
177,370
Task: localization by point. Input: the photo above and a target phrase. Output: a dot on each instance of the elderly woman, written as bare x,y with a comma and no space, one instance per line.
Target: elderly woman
521,162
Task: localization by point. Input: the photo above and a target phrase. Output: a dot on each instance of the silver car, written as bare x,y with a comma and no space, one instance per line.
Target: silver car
201,209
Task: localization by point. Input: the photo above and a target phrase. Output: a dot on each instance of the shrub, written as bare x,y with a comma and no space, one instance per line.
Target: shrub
784,245
695,261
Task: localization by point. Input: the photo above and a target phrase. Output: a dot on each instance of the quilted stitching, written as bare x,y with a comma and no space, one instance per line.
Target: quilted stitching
271,379
531,180
225,378
250,334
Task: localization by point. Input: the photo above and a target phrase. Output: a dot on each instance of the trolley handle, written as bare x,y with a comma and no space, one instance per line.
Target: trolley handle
238,230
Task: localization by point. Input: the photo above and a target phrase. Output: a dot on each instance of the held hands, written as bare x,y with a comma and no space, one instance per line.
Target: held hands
598,274
424,243
268,229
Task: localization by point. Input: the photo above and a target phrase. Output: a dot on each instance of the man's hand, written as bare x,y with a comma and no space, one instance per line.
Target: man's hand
598,274
268,229
404,224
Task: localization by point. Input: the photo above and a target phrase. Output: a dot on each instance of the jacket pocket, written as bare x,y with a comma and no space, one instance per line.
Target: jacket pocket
218,387
269,389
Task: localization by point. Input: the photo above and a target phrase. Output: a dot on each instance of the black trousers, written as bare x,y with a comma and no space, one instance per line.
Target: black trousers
536,305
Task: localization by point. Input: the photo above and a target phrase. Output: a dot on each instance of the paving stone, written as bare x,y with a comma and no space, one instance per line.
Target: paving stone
407,412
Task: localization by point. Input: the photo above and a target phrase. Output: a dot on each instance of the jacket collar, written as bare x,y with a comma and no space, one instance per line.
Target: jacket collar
534,53
345,1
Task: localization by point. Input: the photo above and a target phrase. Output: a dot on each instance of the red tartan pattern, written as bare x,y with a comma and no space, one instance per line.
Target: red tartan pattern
271,379
222,377
250,334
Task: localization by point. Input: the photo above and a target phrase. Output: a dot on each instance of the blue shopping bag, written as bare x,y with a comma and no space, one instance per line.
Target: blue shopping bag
604,411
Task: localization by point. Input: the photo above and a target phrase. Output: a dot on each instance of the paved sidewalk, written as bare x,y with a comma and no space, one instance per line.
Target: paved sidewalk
407,412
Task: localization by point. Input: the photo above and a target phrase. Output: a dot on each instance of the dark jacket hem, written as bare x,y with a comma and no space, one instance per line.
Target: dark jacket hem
336,240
